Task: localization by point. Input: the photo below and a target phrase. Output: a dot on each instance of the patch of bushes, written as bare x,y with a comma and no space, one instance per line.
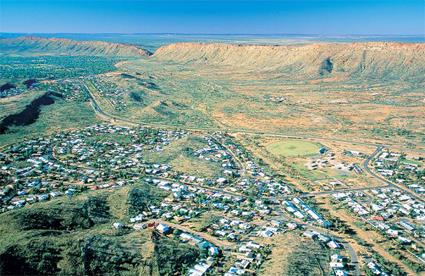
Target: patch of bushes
63,216
308,259
36,257
139,199
104,255
173,257
136,96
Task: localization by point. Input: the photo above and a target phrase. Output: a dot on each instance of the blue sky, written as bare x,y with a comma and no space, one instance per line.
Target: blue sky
331,17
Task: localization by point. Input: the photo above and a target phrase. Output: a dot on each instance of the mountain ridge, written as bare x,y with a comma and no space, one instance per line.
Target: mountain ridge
69,47
366,59
378,60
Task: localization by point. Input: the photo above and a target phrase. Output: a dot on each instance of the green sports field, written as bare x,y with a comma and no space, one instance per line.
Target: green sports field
293,147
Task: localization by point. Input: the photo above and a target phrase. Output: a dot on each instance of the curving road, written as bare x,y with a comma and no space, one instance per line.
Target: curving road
116,118
354,261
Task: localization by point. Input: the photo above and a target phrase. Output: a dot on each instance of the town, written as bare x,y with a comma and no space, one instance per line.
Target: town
249,204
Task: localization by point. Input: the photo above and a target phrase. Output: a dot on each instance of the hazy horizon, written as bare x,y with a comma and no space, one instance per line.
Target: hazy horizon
152,42
218,34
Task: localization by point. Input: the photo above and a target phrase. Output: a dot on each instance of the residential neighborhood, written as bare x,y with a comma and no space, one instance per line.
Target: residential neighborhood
249,204
408,171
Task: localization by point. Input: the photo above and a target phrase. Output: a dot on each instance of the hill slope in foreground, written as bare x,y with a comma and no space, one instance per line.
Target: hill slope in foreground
37,45
375,59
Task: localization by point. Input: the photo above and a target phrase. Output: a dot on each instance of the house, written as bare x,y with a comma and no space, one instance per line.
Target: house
139,226
310,234
70,192
55,194
213,251
340,272
234,271
299,215
221,180
118,225
333,244
137,218
243,264
291,225
19,203
244,226
163,229
220,233
203,245
266,233
244,249
254,245
323,238
185,236
336,264
404,240
392,233
354,152
376,269
322,150
406,225
199,269
337,261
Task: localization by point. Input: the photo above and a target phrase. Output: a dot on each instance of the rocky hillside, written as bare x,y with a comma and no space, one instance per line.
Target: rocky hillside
74,236
38,45
371,60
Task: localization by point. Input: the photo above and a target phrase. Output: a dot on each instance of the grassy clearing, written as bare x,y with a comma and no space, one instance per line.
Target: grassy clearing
15,104
178,155
194,166
292,147
293,255
313,175
285,244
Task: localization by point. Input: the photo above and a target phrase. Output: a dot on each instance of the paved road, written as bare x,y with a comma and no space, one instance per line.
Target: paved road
234,156
205,236
354,261
115,118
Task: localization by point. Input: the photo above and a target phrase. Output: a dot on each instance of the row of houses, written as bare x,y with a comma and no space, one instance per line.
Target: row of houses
303,211
249,257
109,90
13,91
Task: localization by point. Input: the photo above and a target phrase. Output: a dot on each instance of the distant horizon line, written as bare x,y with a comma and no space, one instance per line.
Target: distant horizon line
217,34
